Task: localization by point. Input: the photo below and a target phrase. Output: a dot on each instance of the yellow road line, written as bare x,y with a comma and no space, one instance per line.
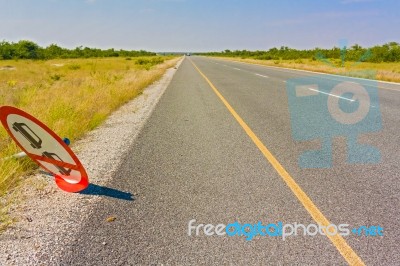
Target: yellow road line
345,250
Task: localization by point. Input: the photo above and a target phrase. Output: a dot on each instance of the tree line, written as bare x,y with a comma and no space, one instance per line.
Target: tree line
389,52
25,49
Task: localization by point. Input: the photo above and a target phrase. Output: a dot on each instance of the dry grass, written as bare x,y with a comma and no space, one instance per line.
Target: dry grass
71,96
384,71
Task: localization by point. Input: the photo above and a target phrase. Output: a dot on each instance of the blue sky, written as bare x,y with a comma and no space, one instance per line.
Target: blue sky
200,25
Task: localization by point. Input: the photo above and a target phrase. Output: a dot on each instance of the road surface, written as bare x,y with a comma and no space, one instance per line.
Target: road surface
218,148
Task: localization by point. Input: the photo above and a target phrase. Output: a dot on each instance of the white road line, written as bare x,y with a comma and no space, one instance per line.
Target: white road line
293,71
236,68
334,95
261,75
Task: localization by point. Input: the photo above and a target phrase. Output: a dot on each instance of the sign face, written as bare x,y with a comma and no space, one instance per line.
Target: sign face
44,147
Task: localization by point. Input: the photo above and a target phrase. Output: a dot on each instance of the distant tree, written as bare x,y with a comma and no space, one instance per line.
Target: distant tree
389,52
356,47
26,50
53,51
7,50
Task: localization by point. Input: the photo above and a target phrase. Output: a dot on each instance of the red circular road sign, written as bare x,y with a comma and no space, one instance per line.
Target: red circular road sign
47,149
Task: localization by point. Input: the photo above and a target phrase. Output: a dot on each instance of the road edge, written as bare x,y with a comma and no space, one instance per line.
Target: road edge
48,218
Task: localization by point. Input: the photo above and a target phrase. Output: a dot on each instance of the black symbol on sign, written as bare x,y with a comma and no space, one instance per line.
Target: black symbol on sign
56,157
22,128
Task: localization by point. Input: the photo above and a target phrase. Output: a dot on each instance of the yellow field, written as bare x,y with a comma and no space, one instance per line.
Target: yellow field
71,96
384,71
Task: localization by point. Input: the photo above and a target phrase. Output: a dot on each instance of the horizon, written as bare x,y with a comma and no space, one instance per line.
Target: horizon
346,46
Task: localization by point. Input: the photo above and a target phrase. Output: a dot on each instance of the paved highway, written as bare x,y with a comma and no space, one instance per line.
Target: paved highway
219,148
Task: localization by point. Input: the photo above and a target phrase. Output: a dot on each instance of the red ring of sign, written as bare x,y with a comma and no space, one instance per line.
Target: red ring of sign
5,111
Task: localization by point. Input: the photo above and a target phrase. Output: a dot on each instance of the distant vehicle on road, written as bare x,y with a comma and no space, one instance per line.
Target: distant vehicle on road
25,131
188,54
54,156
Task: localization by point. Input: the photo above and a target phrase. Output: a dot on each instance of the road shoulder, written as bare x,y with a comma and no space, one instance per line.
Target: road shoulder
45,212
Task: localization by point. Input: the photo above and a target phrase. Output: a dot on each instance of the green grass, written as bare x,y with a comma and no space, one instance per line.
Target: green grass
71,96
384,71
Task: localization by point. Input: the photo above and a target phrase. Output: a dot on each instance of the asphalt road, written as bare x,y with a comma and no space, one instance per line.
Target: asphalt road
197,159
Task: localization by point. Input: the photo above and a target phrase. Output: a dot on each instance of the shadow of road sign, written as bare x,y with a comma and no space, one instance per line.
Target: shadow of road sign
93,189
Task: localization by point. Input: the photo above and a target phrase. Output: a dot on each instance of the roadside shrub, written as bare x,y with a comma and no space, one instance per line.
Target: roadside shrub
74,67
55,77
142,61
147,63
12,83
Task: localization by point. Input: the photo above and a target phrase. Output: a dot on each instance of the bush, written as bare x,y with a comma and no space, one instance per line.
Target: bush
147,63
142,61
55,77
389,52
12,83
74,67
25,49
